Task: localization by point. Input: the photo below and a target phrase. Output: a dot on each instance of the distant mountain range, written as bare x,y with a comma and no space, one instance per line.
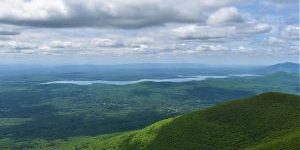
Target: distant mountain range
152,70
282,67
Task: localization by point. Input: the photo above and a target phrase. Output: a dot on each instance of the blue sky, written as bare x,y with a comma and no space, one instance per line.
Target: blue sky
152,31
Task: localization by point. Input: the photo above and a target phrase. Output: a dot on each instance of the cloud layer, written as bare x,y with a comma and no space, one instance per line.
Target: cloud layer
102,13
152,28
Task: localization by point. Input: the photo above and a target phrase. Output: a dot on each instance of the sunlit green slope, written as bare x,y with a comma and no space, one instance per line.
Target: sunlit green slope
266,121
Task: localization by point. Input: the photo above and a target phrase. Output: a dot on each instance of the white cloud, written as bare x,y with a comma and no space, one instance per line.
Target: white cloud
275,41
290,32
209,33
115,27
63,44
223,16
261,28
295,48
17,45
31,10
214,48
191,32
104,42
243,49
141,40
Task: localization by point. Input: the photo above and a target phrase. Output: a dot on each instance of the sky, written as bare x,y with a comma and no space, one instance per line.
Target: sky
149,31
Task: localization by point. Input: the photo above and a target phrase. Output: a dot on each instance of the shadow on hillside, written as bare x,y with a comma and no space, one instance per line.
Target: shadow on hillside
215,95
49,125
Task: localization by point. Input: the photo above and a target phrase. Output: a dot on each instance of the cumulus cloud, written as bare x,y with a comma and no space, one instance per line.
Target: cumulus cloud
17,45
191,32
275,41
290,32
261,28
61,44
196,32
214,48
243,49
105,42
143,28
223,16
113,13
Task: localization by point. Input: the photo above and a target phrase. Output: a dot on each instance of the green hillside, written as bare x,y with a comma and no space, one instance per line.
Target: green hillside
266,121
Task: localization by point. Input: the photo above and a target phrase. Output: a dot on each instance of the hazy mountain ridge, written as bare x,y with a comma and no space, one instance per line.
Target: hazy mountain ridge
140,71
281,67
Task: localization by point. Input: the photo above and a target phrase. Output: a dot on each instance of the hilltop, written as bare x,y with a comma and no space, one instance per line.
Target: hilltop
266,121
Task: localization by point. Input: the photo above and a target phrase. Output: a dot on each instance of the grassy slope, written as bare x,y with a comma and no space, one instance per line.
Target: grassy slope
266,121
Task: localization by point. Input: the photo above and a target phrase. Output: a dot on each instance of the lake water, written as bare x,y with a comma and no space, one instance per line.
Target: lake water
179,79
